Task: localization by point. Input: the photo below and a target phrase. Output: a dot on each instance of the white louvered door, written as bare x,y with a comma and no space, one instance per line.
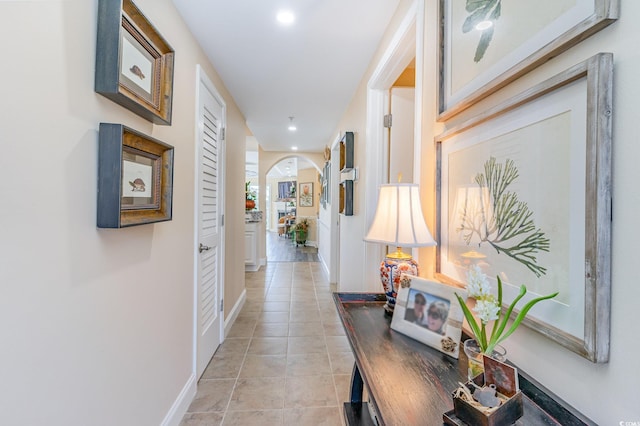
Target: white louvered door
211,138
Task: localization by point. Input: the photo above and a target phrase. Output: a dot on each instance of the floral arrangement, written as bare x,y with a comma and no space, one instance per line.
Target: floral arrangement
488,309
302,225
249,194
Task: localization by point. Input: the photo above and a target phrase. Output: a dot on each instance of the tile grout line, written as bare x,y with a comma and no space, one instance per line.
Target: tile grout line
297,271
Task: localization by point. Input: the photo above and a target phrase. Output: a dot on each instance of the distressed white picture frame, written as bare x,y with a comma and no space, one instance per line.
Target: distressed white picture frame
565,180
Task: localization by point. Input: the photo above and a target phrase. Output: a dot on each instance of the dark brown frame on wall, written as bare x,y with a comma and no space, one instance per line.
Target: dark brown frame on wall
134,64
116,209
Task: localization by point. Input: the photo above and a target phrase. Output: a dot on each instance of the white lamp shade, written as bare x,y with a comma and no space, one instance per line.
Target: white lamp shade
399,220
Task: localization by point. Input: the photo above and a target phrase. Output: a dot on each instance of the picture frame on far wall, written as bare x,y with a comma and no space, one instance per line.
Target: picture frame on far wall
486,44
134,64
524,192
305,194
429,312
135,178
326,185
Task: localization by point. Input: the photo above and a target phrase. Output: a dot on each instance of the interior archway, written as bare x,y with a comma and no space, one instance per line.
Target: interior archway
271,163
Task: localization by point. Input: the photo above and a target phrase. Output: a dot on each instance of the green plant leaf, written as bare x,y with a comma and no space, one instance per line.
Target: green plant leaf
495,339
483,336
471,320
497,321
523,313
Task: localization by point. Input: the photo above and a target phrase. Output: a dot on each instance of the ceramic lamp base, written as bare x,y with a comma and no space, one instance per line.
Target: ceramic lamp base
390,271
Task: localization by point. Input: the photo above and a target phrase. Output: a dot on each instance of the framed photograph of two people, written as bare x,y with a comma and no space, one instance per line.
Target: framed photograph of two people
429,312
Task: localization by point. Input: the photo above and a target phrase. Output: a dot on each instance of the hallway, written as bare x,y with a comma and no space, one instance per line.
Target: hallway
286,360
282,249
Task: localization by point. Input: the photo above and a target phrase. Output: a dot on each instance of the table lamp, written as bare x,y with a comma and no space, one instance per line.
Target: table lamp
398,222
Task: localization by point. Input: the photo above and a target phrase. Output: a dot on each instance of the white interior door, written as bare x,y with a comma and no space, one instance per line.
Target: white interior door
401,150
209,242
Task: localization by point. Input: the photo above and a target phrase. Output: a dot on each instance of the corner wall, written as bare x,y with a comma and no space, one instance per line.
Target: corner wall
96,324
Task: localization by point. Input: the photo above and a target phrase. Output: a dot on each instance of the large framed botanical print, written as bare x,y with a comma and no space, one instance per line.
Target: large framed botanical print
524,191
486,44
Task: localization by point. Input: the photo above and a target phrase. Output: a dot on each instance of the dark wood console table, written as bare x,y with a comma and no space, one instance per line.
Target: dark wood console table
410,383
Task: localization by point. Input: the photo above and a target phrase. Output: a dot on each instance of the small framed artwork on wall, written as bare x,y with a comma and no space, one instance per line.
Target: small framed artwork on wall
134,64
306,194
135,178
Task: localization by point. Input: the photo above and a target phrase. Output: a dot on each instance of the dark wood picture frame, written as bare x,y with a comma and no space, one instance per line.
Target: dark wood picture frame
346,198
123,200
346,152
134,64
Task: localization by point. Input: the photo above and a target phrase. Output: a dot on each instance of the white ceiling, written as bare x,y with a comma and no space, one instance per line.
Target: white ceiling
309,70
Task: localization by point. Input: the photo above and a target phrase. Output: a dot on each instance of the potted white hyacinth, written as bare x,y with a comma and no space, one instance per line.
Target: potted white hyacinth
488,309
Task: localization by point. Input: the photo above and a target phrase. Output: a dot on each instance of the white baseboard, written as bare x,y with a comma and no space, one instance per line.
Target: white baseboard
233,314
252,268
184,399
182,402
325,268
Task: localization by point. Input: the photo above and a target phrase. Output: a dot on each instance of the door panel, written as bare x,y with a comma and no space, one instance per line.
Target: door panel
209,318
401,136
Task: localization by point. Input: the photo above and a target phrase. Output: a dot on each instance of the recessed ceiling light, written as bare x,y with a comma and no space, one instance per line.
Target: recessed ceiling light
294,148
292,126
285,17
483,25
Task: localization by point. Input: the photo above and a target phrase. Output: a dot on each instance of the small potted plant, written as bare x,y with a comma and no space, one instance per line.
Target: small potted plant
299,231
489,308
250,197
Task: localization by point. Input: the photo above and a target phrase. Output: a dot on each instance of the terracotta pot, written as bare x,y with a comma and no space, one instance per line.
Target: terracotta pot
250,204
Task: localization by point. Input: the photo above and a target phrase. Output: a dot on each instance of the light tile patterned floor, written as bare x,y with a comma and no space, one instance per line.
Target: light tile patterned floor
286,360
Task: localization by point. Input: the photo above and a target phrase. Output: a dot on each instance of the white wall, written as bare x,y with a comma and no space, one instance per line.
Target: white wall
603,392
353,249
401,154
96,325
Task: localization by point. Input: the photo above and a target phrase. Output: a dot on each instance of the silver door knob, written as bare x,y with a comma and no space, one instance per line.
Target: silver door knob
203,248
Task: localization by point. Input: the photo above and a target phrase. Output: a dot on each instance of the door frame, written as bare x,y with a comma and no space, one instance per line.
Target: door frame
334,214
406,44
202,80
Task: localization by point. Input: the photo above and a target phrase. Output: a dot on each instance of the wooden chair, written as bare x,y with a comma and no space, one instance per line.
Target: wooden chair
282,226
